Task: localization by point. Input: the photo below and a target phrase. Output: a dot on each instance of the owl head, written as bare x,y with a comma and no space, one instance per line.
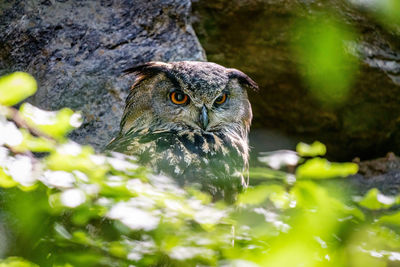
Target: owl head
200,96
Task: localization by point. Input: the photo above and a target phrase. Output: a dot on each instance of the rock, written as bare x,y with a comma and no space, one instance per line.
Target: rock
256,36
77,51
381,173
379,166
387,184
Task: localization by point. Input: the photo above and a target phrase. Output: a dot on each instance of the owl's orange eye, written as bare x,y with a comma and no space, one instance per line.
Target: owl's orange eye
221,99
178,98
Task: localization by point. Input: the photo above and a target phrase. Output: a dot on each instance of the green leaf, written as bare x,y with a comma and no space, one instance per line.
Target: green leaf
5,180
34,144
117,249
16,262
82,238
53,123
315,149
393,219
374,200
71,156
318,168
257,195
16,87
267,174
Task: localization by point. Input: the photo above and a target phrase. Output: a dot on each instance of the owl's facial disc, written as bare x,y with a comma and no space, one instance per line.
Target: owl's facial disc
204,118
208,112
200,96
179,98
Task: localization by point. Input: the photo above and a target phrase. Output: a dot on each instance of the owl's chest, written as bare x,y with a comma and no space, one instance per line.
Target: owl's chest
205,154
217,161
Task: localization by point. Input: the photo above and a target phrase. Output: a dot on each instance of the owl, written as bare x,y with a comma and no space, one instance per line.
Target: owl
190,121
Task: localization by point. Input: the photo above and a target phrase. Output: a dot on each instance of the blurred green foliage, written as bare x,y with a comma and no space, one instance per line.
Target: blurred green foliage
387,13
318,168
315,149
16,87
321,46
76,207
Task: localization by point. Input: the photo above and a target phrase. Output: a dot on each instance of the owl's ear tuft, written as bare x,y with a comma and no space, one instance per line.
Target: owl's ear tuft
243,79
149,68
146,71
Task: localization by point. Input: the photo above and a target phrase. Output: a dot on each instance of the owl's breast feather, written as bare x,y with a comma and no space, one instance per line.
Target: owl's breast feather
217,161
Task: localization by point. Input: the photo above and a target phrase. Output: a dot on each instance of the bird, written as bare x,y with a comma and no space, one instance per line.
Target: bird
189,120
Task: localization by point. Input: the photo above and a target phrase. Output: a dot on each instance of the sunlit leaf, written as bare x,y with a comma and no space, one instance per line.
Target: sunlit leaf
313,150
117,249
393,219
61,231
53,123
259,194
9,133
16,262
375,200
34,144
267,174
5,180
71,156
16,87
318,168
85,213
374,245
82,238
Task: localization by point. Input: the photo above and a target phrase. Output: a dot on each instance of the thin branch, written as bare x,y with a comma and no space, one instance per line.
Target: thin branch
13,114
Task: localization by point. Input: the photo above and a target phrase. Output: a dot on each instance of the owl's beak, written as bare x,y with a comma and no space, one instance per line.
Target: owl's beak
204,117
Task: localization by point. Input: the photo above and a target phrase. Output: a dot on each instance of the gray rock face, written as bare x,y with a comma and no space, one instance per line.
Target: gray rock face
77,51
256,36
